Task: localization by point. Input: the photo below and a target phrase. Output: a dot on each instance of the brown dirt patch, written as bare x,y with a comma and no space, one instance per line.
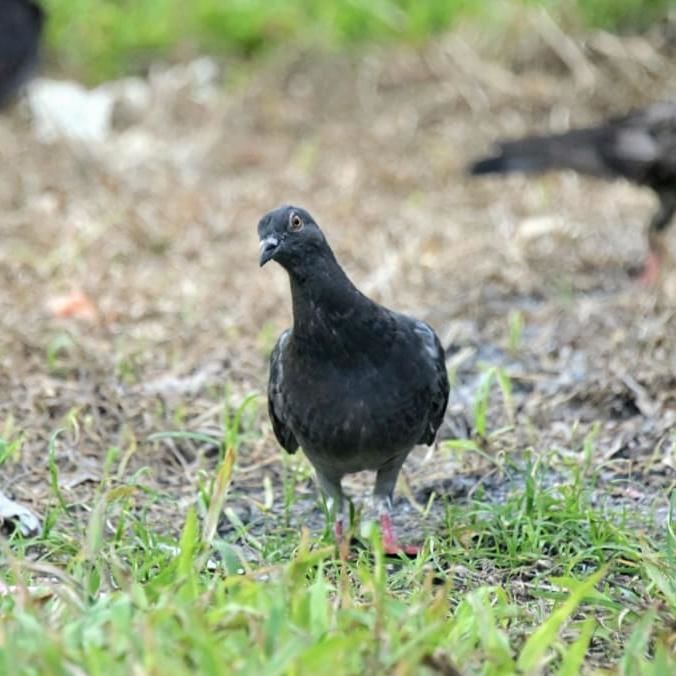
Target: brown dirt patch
157,228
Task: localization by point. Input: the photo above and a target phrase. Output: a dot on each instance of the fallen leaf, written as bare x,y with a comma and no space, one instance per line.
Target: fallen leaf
76,304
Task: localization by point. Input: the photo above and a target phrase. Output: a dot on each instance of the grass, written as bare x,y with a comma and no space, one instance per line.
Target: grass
548,573
98,39
545,580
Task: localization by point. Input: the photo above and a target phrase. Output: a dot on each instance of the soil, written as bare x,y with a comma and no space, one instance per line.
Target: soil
131,302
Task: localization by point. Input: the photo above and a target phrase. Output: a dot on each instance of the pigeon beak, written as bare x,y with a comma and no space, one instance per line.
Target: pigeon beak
268,246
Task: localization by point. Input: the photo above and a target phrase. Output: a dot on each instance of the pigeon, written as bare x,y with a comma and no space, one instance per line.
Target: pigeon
21,24
639,146
352,383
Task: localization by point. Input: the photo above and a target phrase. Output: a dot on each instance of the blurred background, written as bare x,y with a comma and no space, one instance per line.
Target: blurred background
98,39
135,164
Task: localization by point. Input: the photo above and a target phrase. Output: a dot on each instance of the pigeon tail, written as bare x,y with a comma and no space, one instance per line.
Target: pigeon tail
504,164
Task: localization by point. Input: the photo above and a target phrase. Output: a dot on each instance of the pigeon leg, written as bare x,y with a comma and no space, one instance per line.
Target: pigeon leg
385,482
390,544
651,270
332,493
658,224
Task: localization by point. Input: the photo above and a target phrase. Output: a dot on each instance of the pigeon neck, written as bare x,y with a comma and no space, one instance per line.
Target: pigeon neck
323,298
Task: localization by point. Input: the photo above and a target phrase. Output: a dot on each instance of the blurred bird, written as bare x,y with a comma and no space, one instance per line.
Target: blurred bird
356,385
21,24
640,147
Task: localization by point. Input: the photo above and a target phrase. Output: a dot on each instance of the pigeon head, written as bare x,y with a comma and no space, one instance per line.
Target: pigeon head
290,236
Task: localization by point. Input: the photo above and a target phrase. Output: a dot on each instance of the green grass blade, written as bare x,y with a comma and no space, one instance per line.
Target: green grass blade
218,495
572,662
544,636
637,646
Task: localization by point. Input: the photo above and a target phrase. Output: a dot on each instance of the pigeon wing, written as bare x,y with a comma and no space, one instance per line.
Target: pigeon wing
434,352
643,146
276,405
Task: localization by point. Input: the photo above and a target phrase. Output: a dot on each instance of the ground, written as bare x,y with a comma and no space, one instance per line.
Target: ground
136,322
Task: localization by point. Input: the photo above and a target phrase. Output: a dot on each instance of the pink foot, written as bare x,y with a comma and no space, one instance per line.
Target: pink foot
338,529
342,542
390,544
651,270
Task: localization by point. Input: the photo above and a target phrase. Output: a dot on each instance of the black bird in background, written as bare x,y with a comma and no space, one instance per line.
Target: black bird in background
356,385
21,24
640,147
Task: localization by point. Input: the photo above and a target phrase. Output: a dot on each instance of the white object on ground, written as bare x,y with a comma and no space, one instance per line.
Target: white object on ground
64,109
26,521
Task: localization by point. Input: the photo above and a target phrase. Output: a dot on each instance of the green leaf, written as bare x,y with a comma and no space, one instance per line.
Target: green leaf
319,606
94,539
481,402
544,636
218,495
491,637
460,444
571,665
505,383
665,584
637,645
187,551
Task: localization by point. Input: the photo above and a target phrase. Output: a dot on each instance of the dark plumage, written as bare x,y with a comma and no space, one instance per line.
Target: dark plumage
354,384
640,147
20,29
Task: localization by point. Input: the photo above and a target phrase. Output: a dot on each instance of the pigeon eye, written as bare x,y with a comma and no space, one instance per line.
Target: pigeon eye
295,223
